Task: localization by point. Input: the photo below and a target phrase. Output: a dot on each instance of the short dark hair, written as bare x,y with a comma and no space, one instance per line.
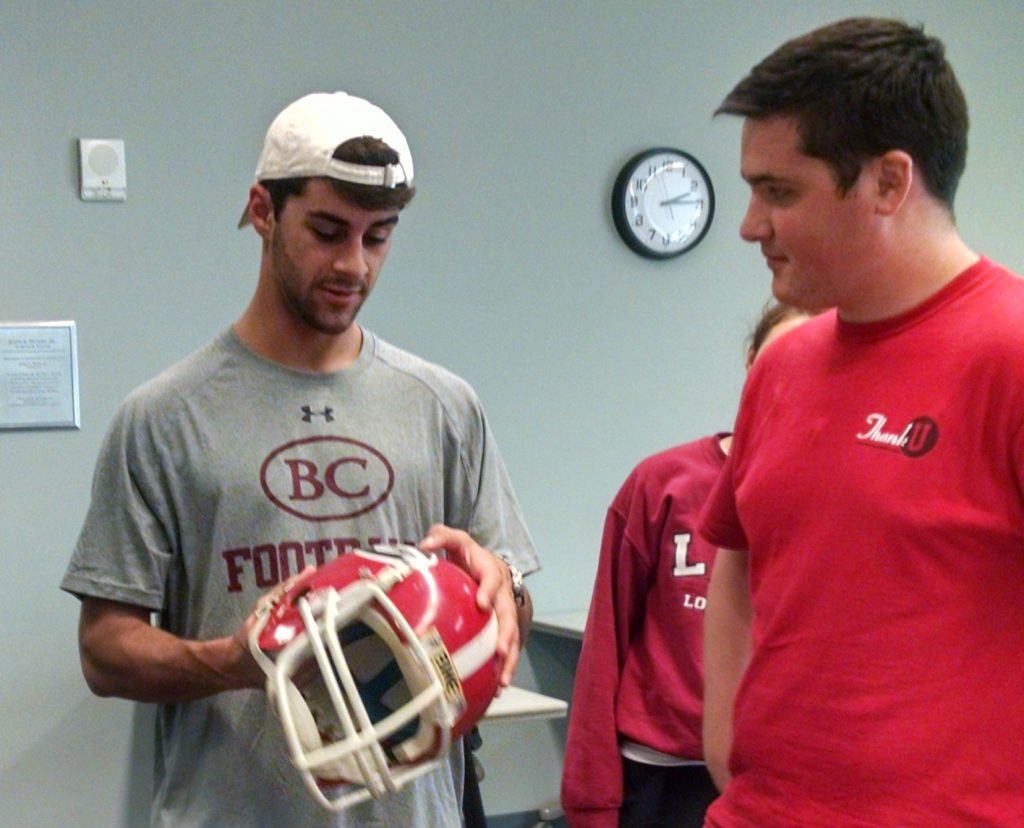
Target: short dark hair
859,88
366,150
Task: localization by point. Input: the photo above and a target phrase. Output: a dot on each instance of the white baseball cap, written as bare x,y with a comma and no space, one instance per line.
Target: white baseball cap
301,141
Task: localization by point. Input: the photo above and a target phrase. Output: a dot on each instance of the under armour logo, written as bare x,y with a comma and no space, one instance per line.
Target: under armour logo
308,414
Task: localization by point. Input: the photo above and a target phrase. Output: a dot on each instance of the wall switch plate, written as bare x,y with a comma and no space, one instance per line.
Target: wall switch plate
102,172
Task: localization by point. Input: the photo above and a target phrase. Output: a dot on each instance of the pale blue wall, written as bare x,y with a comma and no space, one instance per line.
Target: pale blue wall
506,268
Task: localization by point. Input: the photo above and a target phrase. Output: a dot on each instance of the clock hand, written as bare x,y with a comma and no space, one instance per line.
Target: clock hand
681,199
668,201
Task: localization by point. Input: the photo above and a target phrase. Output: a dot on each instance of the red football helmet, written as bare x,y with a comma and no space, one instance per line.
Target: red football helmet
376,663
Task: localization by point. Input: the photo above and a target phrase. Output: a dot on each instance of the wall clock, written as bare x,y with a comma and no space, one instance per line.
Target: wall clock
662,202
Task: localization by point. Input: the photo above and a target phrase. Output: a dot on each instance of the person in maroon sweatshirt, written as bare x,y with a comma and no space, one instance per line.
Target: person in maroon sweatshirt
633,756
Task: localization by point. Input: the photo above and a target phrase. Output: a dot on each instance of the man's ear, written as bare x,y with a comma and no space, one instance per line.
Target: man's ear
261,209
895,175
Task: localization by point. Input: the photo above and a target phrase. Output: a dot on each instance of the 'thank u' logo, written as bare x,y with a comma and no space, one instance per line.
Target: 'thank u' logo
915,440
326,478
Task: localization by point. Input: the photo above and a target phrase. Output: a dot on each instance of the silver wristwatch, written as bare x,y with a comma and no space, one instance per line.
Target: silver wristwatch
518,587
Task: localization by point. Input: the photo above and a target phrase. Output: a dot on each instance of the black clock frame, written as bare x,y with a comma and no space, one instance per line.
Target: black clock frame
625,227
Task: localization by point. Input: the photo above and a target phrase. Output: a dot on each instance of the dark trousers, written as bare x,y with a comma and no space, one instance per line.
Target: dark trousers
472,802
665,797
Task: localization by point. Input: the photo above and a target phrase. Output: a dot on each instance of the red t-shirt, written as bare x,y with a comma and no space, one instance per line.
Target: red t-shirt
875,479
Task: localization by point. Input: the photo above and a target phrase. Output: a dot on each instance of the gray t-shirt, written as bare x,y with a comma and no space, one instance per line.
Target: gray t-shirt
226,474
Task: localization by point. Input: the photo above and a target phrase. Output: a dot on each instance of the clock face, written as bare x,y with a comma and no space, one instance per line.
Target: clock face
663,202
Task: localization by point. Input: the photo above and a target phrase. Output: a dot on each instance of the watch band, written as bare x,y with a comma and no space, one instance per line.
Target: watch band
516,576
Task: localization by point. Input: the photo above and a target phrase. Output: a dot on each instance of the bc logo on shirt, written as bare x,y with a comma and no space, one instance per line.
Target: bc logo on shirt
326,478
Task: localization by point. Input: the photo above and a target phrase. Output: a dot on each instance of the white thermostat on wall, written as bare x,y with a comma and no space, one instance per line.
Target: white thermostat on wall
102,172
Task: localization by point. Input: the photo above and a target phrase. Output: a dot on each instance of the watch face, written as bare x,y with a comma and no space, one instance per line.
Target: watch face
663,202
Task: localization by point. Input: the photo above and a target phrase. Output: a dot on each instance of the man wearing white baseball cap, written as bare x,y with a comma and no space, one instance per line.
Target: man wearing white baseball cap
293,437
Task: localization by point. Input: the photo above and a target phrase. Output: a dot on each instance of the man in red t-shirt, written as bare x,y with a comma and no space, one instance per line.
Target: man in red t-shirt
864,616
